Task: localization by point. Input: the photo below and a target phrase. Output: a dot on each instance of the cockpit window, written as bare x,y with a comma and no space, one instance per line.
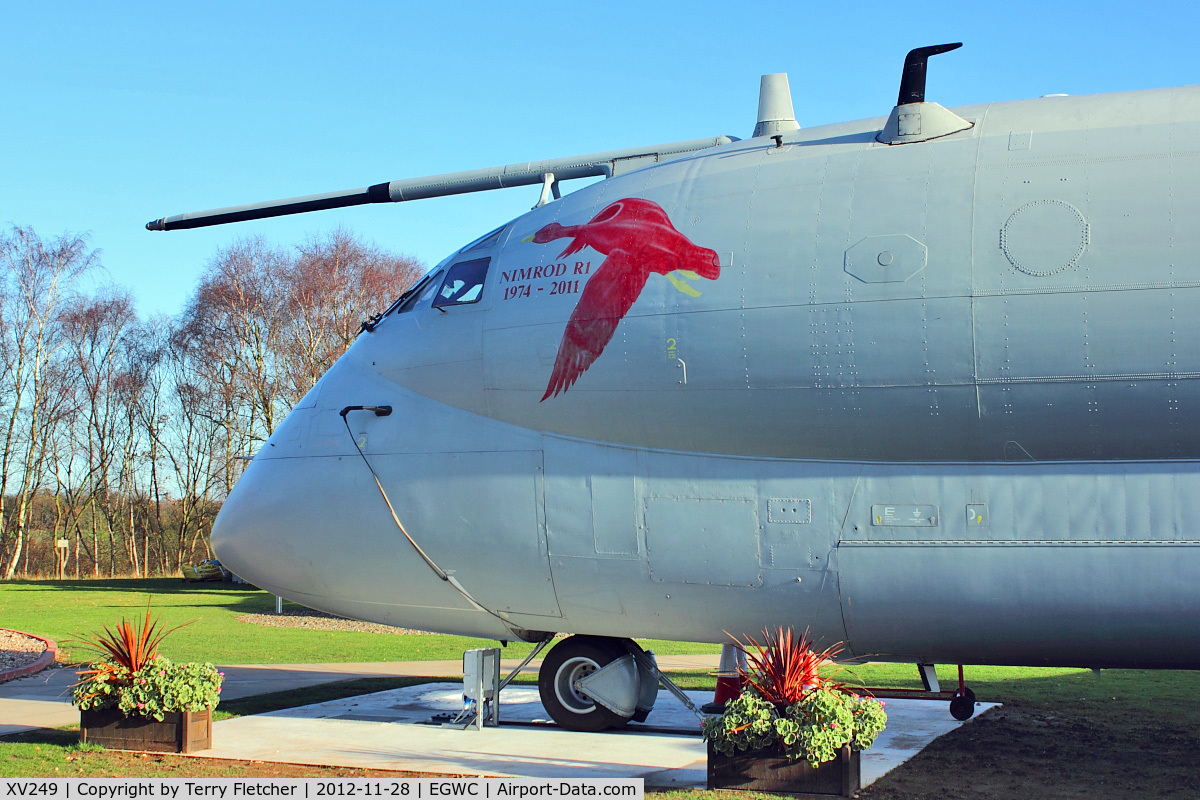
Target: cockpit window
463,284
420,293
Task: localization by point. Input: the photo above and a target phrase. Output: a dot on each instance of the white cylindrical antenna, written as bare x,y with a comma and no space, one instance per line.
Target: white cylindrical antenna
775,114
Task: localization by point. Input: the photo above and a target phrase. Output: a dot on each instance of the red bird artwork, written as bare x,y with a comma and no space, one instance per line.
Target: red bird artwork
638,238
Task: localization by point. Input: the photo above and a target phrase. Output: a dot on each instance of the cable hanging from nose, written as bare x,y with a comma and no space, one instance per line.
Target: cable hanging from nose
383,411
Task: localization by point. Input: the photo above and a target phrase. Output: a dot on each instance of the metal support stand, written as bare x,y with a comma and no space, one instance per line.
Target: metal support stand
482,686
481,690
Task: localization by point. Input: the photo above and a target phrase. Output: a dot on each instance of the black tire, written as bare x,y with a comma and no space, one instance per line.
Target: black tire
967,693
962,707
570,660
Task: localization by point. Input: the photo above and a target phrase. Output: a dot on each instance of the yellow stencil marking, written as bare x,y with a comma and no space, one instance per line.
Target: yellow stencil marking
682,285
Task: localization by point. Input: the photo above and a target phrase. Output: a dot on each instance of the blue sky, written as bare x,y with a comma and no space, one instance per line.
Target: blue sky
118,113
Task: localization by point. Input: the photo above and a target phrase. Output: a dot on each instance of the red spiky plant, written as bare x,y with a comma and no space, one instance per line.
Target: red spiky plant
127,649
784,668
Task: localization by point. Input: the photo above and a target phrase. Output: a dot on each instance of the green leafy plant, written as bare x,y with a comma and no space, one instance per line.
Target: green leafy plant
132,676
789,706
157,689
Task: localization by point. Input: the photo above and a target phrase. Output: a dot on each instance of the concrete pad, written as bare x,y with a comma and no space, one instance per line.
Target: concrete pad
385,730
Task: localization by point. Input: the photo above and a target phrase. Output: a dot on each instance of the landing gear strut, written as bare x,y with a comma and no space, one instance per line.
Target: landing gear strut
962,704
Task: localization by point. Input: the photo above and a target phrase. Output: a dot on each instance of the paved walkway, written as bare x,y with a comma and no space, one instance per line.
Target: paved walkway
44,700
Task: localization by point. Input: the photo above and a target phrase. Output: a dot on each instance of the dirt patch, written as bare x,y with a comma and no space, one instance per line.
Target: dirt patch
1019,751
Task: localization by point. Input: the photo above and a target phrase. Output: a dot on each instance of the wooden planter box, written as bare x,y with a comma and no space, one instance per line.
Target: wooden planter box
179,732
771,771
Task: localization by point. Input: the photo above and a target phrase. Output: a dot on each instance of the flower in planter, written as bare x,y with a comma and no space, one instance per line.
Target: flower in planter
132,676
790,706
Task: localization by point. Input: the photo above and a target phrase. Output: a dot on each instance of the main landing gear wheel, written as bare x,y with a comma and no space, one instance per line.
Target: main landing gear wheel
571,661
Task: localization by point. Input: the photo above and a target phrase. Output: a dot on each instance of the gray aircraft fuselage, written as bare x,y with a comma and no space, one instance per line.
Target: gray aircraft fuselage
929,398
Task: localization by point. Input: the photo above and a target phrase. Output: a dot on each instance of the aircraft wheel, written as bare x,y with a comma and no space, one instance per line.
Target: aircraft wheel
570,661
962,707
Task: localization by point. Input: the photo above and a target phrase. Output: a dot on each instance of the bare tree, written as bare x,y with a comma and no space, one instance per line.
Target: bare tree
127,436
98,329
150,360
335,283
266,327
38,277
193,438
142,393
234,322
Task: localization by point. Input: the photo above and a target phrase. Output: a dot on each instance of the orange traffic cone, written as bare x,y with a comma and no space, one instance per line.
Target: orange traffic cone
729,679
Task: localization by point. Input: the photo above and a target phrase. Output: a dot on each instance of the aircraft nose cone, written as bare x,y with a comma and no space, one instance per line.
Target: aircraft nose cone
251,533
316,531
309,529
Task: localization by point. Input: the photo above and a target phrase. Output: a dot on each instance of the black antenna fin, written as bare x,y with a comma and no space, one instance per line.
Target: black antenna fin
912,81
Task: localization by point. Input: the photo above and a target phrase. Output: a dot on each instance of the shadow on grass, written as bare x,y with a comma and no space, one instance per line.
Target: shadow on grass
238,596
44,736
157,585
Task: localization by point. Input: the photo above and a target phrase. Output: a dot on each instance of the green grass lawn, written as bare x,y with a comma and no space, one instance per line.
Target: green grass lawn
61,610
